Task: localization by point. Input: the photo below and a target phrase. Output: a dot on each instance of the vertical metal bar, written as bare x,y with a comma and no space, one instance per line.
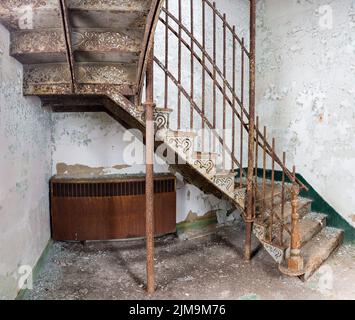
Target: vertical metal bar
68,42
149,109
192,93
264,176
282,200
271,226
256,162
233,84
166,87
214,73
242,114
179,66
224,89
250,187
203,71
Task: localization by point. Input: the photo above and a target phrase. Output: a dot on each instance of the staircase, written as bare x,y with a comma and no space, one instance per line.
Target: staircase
85,53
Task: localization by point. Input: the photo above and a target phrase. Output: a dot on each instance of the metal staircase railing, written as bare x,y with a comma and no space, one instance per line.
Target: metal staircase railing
223,109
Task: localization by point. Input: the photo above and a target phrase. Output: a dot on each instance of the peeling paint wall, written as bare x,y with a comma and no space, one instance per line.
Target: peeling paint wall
306,92
24,174
94,143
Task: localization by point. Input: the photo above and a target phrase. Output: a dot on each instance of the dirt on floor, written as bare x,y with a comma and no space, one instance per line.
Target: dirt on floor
209,267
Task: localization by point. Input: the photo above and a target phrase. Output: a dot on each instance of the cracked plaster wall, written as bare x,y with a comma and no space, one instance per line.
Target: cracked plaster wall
24,174
306,91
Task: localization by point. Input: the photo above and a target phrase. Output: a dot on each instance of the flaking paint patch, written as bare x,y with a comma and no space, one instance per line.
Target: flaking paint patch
79,169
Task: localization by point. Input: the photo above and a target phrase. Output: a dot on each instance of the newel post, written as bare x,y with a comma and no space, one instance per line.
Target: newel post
250,175
295,261
149,107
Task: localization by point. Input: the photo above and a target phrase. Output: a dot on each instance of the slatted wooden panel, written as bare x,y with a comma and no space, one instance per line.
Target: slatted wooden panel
104,210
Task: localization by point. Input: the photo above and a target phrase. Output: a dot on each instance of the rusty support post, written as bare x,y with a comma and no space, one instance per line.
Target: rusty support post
250,178
295,262
149,110
63,6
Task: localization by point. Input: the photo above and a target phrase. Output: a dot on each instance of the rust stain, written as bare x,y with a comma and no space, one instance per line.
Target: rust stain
79,169
353,218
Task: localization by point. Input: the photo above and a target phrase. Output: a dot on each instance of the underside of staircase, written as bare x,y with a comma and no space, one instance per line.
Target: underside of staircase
84,55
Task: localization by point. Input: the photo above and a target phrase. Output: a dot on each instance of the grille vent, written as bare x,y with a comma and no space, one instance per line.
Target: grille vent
109,189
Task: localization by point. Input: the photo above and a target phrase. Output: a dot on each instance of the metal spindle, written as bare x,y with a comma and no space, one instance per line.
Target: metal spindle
203,71
272,190
242,114
256,162
214,73
192,92
264,177
282,200
233,84
179,66
224,87
166,88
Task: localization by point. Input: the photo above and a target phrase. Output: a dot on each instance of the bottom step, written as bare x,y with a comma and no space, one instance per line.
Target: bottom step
320,248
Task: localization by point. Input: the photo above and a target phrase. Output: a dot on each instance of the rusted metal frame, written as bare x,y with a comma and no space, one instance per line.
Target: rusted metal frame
224,91
68,42
147,43
149,111
197,109
166,84
179,63
282,201
250,214
229,27
271,218
296,262
203,74
242,114
192,92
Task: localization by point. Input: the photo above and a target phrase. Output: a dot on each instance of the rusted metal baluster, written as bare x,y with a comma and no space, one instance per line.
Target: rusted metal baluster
179,66
256,162
214,74
166,87
224,89
149,110
234,84
295,262
192,92
271,226
282,200
242,114
250,178
264,178
203,71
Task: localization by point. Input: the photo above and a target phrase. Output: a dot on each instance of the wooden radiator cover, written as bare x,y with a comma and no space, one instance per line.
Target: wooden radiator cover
109,208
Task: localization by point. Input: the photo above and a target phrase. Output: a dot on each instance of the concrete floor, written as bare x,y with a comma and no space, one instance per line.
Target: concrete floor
210,267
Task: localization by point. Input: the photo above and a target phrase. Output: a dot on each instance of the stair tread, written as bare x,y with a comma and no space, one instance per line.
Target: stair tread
317,250
302,202
310,225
